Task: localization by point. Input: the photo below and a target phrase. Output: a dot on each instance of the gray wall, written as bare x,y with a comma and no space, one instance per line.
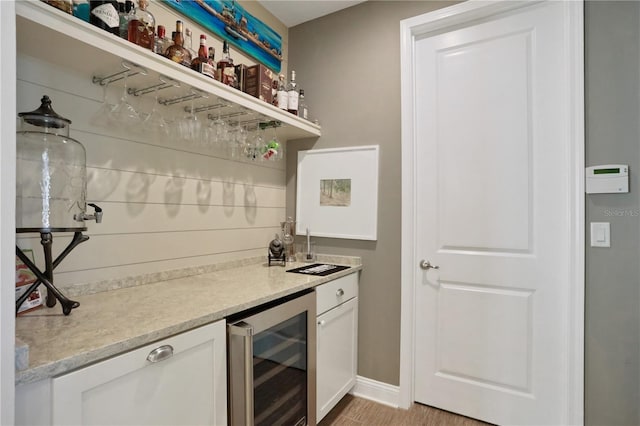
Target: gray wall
349,65
612,79
348,62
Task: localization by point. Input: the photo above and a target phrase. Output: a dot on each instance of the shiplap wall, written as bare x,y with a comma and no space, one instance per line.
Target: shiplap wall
167,204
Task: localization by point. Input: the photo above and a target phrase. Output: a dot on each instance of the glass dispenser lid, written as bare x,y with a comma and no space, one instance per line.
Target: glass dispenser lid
45,116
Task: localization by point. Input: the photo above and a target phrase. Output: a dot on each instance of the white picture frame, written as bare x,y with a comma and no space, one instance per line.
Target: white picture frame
337,193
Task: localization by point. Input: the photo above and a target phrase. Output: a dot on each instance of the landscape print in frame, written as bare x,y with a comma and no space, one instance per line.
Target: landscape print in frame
231,22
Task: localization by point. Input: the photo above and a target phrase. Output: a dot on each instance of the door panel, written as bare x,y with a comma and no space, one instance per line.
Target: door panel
492,134
494,325
482,121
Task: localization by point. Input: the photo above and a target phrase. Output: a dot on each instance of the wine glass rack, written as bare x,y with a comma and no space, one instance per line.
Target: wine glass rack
41,27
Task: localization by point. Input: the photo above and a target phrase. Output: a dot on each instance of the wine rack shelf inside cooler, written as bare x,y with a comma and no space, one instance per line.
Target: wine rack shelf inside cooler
61,39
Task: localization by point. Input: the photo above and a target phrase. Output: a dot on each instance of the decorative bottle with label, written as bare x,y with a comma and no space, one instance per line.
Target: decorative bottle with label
282,93
303,110
176,52
226,69
292,95
142,26
162,42
201,55
104,14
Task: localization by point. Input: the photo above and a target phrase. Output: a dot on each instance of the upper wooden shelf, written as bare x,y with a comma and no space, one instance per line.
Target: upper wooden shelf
59,38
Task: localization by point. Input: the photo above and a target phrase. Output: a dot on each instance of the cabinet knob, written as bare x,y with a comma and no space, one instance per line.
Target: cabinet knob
340,292
160,354
321,323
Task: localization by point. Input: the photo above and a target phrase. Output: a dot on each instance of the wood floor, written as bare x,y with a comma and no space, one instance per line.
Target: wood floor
353,411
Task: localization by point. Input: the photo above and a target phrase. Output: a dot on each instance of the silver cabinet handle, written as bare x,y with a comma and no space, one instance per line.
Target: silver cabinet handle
321,323
426,265
340,292
160,354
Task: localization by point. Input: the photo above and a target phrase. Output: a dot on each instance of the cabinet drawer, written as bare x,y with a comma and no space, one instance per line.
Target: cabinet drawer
179,380
336,292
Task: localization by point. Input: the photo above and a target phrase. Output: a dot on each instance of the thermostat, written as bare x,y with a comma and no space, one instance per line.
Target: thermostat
609,178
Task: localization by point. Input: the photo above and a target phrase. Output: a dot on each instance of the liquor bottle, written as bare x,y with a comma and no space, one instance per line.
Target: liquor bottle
292,95
283,96
303,110
64,5
212,55
188,42
104,14
201,62
201,55
176,52
274,92
226,69
142,26
81,9
126,14
162,43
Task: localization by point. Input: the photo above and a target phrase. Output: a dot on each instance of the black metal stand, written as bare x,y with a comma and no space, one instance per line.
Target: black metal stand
46,277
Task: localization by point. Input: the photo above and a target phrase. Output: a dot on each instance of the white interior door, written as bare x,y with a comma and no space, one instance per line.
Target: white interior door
493,129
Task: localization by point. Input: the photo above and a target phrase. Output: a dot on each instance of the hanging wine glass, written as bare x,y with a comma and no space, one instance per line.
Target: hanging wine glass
154,123
101,117
272,149
190,125
124,114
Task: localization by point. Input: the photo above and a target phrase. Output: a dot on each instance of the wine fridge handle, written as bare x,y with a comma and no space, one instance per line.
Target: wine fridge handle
245,332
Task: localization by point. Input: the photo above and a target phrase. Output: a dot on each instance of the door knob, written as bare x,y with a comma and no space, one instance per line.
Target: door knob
426,265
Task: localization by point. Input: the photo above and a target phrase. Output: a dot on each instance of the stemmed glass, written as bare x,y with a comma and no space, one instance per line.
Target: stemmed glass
219,129
154,123
101,117
190,125
272,149
124,113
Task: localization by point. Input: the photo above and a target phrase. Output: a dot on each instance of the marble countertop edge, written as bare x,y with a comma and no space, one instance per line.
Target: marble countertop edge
101,351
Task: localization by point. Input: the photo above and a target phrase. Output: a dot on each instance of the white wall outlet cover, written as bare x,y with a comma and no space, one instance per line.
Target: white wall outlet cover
600,234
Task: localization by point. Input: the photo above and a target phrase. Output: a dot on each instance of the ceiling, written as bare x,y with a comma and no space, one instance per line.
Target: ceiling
294,12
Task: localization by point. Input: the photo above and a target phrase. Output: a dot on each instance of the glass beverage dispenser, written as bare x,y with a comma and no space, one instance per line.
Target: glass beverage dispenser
51,187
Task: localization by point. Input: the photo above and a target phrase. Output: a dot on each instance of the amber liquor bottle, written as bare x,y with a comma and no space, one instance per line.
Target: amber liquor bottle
201,62
142,26
226,69
176,52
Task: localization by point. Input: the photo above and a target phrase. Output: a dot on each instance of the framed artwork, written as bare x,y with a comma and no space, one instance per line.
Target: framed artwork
228,20
337,193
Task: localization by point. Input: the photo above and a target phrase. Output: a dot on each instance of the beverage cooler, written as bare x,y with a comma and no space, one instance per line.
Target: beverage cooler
272,364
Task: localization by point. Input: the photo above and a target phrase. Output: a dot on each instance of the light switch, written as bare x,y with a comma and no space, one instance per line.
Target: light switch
600,234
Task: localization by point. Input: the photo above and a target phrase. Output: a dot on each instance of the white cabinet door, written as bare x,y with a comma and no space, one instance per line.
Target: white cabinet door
337,354
186,388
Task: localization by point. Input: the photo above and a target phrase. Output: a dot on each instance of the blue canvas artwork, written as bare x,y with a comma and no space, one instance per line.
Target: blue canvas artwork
231,22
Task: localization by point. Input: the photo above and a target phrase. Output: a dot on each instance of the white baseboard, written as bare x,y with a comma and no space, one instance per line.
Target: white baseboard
373,390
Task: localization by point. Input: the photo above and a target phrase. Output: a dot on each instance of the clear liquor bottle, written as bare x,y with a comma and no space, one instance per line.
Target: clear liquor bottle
188,43
142,26
176,52
162,41
283,97
303,109
292,95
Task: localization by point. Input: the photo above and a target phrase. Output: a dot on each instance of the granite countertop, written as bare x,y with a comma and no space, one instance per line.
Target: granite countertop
112,322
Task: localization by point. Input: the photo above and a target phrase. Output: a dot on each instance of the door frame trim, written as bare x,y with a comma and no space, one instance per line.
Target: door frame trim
436,22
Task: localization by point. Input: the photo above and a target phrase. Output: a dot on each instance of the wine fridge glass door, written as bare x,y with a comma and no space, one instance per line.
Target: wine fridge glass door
272,365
